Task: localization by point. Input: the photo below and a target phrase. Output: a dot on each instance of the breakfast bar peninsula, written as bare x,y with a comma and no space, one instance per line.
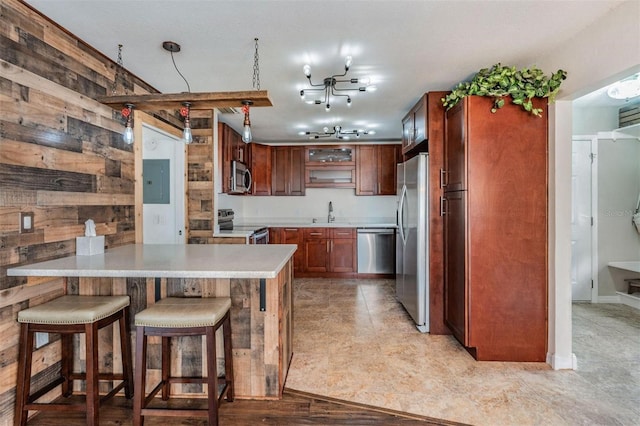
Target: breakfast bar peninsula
258,278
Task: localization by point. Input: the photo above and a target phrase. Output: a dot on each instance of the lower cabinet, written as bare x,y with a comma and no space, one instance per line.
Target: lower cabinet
343,256
321,251
290,236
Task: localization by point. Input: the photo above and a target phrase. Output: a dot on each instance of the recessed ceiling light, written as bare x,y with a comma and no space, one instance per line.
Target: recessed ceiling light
625,89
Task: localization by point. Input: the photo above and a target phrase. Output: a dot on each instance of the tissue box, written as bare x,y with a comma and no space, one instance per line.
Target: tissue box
86,246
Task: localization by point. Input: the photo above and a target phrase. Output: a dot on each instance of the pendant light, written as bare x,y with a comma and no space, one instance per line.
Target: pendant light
246,126
127,135
186,133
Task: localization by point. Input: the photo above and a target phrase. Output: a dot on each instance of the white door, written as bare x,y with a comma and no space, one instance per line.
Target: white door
581,219
163,223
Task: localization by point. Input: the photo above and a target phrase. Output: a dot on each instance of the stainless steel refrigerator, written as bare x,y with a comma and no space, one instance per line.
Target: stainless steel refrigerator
412,256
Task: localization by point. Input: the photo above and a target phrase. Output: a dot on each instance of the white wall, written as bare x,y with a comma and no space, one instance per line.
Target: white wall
593,58
347,207
590,121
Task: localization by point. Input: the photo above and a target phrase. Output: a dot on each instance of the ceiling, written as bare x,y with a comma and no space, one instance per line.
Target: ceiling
405,48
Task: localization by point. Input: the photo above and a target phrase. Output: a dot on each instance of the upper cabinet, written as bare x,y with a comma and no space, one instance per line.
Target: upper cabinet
376,169
330,167
287,166
260,165
414,125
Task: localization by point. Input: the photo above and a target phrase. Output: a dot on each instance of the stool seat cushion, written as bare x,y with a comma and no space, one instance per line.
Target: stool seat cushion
184,312
74,310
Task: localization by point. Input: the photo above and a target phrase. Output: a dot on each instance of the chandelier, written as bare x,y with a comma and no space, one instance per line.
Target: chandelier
330,87
338,133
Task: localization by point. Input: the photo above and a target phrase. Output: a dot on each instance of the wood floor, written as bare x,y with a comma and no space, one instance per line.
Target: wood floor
295,408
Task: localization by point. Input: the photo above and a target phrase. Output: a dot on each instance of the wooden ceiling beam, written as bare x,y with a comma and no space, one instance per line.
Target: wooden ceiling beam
173,101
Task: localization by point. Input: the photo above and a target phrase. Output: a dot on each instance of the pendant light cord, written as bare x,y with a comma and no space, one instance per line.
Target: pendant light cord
176,67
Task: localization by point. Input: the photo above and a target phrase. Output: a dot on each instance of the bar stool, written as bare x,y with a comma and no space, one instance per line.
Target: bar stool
173,317
68,315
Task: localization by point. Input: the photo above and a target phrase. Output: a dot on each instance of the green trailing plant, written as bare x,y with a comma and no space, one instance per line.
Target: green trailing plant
499,82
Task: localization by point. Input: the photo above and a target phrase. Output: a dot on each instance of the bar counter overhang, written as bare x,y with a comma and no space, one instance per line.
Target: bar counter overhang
258,278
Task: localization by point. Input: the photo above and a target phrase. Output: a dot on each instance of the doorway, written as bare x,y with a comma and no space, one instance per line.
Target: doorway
163,212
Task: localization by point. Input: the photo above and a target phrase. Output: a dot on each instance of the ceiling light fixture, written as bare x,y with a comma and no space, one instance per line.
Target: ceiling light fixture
185,102
127,135
127,111
246,126
625,89
338,133
246,104
185,112
329,86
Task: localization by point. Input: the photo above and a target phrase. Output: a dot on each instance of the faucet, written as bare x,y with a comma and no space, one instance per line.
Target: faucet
331,217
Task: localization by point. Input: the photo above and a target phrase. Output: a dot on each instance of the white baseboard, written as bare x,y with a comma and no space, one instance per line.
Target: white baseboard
632,300
608,299
562,363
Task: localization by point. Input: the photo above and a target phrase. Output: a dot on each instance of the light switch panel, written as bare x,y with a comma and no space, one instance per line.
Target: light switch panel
26,222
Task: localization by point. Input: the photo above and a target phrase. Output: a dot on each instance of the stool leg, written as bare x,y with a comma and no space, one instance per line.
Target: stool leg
23,386
93,396
66,363
228,358
212,377
125,348
141,374
166,367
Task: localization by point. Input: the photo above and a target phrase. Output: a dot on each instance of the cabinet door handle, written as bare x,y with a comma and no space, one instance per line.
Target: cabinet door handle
443,178
443,210
291,229
315,233
328,250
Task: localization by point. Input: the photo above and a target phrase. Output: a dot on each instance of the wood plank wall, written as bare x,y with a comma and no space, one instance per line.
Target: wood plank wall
62,158
200,173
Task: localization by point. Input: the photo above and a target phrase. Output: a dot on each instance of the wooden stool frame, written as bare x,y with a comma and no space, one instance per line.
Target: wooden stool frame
26,401
141,401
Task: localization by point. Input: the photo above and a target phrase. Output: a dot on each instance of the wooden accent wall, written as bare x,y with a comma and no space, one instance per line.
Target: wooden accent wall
61,157
200,173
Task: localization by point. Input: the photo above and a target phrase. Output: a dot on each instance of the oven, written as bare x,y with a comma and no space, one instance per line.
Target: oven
260,236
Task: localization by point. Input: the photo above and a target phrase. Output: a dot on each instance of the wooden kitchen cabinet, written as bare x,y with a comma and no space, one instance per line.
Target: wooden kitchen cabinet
331,166
287,165
316,250
415,125
260,166
342,250
330,250
376,169
495,229
290,235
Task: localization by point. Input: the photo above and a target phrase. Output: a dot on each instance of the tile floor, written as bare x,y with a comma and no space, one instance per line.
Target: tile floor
354,341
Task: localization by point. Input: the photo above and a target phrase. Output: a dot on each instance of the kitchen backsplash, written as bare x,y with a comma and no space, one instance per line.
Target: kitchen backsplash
347,207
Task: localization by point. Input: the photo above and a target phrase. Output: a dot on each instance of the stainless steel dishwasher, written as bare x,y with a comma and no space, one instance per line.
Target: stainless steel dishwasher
376,250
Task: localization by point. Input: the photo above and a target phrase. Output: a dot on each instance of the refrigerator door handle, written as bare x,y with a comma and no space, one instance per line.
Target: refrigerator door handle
401,214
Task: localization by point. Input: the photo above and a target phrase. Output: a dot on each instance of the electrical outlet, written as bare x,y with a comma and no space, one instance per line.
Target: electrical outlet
26,222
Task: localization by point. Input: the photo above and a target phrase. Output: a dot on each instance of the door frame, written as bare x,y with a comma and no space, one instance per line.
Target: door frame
141,119
594,211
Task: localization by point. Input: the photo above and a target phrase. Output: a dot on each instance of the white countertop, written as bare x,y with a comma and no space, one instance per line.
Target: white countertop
633,266
169,261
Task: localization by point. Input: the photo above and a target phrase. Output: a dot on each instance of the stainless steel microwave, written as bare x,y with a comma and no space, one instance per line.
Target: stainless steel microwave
240,178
